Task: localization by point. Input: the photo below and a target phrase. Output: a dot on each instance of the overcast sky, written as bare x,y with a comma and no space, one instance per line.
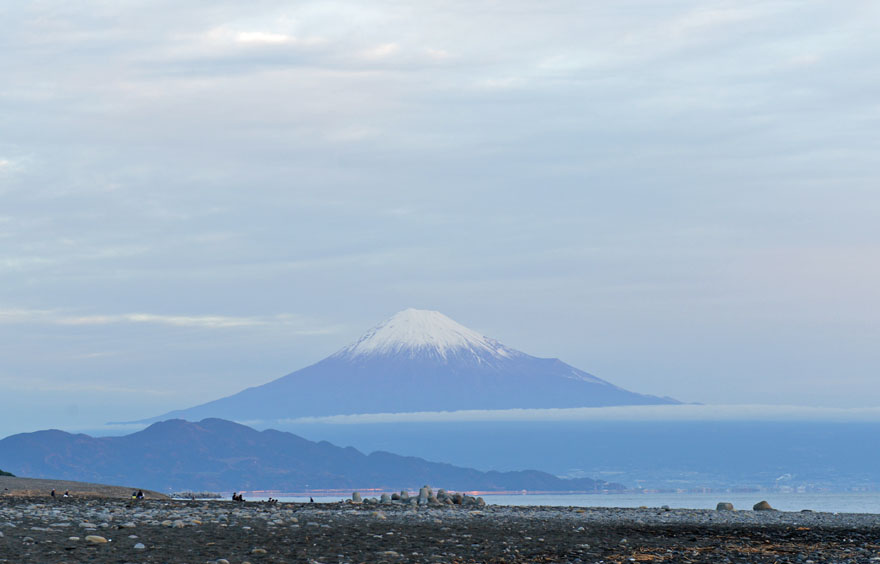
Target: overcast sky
681,197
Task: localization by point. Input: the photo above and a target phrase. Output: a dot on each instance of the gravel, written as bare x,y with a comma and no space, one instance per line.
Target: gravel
38,529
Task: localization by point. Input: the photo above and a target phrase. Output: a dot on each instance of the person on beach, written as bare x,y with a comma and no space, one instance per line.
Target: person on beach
140,494
53,493
66,493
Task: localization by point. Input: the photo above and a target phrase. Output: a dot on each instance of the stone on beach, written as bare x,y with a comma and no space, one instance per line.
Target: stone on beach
424,495
724,506
470,501
356,498
763,506
96,539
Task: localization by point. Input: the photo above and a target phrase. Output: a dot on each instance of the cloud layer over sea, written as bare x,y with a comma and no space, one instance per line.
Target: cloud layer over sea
754,412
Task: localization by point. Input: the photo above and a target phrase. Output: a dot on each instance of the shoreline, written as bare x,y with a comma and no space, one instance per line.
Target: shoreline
829,502
46,531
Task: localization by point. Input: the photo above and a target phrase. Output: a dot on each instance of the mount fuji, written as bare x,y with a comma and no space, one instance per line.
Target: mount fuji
419,361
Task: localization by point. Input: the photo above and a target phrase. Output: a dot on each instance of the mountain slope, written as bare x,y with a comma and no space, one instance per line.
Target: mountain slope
419,361
222,456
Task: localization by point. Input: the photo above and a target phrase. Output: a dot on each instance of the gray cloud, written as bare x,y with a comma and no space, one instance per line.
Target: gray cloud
21,316
680,197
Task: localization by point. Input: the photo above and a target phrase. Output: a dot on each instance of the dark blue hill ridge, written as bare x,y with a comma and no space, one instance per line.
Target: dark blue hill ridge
220,455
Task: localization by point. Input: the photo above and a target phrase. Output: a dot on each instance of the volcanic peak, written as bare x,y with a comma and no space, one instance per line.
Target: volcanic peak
413,332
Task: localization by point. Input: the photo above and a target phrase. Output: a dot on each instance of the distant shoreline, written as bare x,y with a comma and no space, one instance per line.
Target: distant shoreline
346,492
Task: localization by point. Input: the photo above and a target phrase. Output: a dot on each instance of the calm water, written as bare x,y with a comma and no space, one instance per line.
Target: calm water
830,502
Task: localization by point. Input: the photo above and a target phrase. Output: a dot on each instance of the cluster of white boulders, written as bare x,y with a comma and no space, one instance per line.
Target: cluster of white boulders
426,497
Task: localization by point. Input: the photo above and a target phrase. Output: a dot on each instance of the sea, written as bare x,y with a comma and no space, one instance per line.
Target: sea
861,502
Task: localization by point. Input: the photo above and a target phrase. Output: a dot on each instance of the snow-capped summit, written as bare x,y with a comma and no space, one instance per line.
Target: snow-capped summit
418,332
419,361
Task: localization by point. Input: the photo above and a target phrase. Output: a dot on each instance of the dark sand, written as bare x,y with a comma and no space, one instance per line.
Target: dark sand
40,530
35,487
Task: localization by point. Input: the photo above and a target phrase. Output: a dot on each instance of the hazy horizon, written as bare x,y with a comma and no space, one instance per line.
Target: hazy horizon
677,197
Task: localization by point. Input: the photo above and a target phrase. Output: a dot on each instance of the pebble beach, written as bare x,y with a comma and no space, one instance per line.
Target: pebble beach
74,530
